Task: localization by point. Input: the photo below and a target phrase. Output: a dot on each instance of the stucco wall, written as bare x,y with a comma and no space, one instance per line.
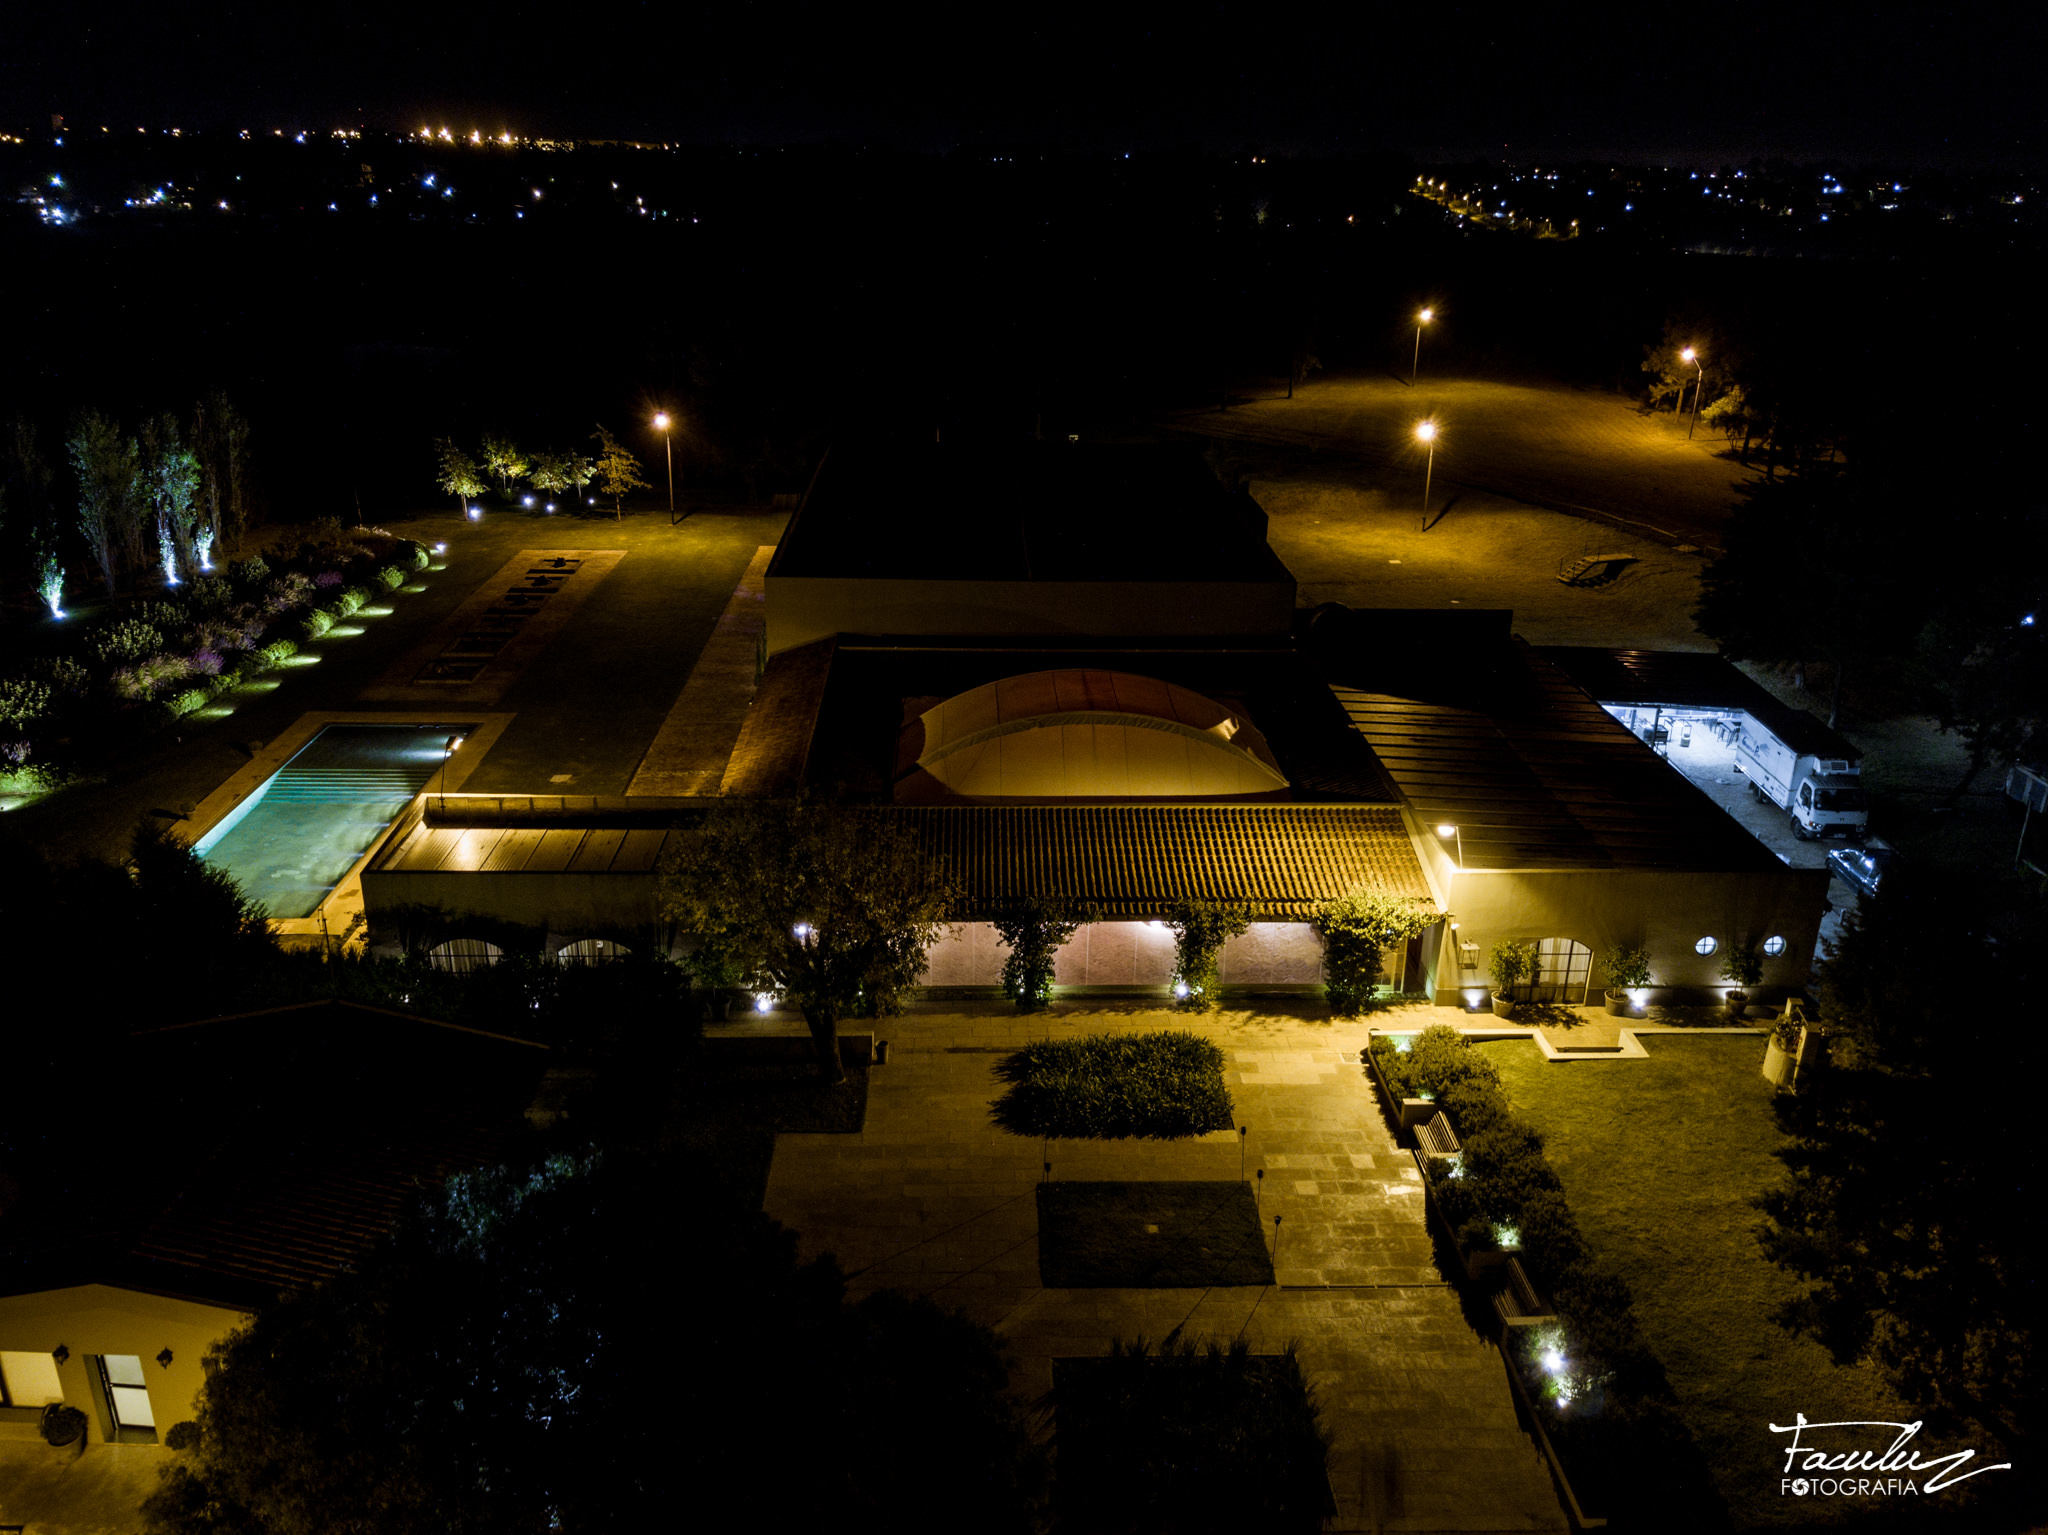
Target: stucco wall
1133,954
1665,912
806,608
100,1319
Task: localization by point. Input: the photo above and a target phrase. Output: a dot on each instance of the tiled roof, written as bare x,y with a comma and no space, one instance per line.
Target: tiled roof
1552,781
302,1134
1132,860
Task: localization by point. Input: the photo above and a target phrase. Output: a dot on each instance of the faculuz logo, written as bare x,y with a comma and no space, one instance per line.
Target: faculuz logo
1864,1472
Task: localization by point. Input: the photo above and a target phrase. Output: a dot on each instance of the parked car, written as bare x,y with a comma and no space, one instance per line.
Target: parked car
1863,867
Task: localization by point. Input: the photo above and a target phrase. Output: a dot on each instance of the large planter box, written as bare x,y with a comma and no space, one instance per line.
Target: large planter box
1574,1510
1778,1064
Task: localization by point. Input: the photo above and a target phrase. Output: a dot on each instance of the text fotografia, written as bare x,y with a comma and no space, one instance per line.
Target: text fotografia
1894,1471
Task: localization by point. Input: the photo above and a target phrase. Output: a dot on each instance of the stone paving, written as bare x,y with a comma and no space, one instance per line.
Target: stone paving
931,1198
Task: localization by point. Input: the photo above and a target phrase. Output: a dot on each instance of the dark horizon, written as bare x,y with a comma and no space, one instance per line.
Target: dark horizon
1892,84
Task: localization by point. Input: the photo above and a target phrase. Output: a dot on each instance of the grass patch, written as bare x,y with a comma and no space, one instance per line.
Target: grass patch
1149,1236
1659,1159
1160,1086
1188,1437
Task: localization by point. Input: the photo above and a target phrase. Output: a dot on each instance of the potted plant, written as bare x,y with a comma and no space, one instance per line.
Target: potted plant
1781,1054
1745,967
1628,970
1509,964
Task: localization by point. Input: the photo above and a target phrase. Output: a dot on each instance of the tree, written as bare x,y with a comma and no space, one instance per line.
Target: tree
618,471
457,474
550,473
1035,928
49,573
220,439
1357,929
495,1367
24,473
170,479
1910,1242
504,461
832,905
109,470
1200,929
1811,571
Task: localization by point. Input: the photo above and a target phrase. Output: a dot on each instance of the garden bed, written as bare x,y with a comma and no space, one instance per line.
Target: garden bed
1162,1086
1189,1437
1149,1236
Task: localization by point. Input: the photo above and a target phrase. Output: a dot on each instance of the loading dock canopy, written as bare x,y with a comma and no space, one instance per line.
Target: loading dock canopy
1692,679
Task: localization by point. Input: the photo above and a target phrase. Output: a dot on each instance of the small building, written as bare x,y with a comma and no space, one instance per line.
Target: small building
222,1163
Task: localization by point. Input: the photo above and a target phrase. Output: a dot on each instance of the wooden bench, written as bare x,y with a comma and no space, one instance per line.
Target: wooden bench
1435,1137
1516,1300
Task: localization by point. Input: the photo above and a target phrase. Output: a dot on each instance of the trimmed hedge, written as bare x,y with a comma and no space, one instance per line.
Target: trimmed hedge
391,577
348,601
277,652
1614,1420
1161,1086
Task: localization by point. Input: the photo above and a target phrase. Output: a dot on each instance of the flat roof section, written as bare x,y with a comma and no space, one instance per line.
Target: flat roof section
1550,781
1692,679
1024,511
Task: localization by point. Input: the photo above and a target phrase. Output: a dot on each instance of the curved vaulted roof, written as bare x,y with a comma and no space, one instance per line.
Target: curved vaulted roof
1087,733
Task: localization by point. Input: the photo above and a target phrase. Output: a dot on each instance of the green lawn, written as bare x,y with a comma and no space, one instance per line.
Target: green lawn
1659,1159
1149,1236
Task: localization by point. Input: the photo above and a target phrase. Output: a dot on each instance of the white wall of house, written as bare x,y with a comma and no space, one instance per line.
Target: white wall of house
1133,954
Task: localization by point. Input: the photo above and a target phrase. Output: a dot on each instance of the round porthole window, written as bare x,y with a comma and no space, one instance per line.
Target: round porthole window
1706,946
1774,945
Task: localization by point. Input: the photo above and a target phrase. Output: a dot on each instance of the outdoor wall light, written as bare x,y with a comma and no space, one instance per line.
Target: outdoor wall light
1452,834
60,1353
165,1357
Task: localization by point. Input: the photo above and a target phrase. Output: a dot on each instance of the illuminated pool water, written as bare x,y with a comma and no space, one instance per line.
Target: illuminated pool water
293,840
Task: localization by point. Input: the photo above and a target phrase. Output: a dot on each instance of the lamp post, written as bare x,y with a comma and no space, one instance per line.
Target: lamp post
1425,433
668,449
1692,356
1451,833
448,749
1415,367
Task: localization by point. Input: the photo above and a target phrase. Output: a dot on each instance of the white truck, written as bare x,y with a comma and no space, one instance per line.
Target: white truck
1818,783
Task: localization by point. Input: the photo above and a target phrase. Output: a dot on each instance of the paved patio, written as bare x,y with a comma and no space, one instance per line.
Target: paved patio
932,1199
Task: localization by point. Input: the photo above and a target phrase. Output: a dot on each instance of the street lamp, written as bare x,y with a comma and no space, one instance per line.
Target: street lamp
1415,367
1425,433
448,749
661,426
1699,378
1450,833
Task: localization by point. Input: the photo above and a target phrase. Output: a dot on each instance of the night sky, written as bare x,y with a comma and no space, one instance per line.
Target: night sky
1906,83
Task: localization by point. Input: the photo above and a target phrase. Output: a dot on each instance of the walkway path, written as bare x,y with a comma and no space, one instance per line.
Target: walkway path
932,1199
690,751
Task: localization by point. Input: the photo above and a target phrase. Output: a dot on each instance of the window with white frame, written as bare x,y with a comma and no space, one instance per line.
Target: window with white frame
127,1391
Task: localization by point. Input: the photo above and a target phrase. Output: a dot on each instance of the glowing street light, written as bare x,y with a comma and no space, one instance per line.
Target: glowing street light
1450,833
661,425
1425,433
1700,377
1415,367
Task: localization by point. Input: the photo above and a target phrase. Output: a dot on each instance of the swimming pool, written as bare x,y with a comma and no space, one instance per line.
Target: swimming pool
297,836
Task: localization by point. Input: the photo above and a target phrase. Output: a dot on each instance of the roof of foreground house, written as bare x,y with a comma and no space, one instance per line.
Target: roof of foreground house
239,1157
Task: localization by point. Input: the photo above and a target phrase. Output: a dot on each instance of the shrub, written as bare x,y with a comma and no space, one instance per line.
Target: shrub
189,701
327,580
1510,963
349,601
1035,929
1627,968
1743,965
129,639
208,594
391,578
67,678
253,571
315,623
1163,1085
277,652
1200,929
205,662
1357,929
23,701
422,557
